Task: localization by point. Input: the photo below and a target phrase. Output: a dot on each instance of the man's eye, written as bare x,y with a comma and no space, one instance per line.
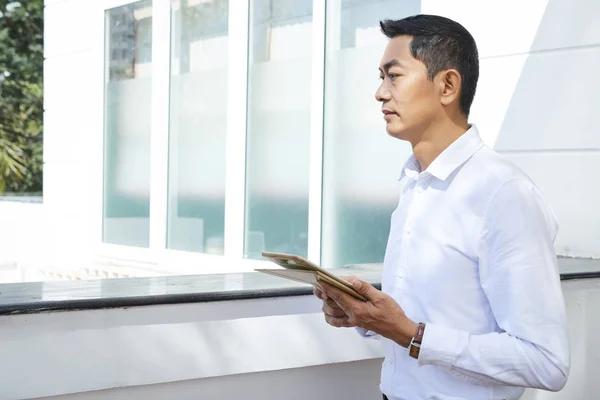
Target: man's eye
392,76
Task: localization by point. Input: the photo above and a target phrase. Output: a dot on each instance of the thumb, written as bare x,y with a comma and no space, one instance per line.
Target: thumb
363,288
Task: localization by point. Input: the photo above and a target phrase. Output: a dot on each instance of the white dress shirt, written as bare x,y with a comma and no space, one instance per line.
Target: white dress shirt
470,253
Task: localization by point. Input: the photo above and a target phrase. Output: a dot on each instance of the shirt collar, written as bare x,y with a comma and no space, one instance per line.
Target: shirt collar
411,168
449,160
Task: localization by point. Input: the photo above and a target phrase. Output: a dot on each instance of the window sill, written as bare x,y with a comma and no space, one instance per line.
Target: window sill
36,297
33,198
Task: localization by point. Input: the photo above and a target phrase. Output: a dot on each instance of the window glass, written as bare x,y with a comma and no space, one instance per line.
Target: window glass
361,163
198,124
278,127
128,80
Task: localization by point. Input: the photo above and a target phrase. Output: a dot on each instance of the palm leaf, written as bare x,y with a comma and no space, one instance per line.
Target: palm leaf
12,159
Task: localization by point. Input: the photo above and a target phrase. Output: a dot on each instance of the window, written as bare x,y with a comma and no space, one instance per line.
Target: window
361,163
198,126
128,81
278,127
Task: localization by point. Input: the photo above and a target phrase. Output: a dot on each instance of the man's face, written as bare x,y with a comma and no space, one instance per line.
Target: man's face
409,99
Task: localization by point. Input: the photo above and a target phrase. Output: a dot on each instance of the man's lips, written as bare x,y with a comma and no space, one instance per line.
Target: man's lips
388,114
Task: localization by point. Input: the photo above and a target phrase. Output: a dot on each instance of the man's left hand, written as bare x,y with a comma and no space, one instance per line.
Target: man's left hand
380,313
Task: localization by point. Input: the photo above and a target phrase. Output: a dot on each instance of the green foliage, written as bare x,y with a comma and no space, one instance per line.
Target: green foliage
21,95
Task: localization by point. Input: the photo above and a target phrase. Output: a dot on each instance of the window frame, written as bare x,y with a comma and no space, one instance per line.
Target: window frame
157,258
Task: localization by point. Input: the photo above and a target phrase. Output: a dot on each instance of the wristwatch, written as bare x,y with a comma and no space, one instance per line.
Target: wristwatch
414,348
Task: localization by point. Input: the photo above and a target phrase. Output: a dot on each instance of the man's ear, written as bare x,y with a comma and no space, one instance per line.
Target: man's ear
450,84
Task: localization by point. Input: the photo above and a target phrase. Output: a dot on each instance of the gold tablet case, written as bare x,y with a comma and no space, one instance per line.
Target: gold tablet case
301,270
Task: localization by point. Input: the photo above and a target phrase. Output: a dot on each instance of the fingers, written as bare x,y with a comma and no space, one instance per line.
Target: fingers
333,311
326,292
319,293
338,322
330,307
330,291
331,303
341,298
363,288
334,315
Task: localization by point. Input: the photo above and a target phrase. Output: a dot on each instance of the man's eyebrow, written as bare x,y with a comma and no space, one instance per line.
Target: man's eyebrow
391,64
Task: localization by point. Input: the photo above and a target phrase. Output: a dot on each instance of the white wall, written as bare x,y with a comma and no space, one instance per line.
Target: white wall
537,101
223,350
73,130
352,380
21,239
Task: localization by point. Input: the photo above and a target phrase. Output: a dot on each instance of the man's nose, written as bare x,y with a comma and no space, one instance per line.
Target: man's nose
382,94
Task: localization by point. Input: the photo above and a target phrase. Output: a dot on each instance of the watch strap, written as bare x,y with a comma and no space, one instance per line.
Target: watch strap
414,348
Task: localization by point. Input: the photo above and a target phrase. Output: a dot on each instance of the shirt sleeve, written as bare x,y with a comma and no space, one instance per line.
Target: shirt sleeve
519,275
367,333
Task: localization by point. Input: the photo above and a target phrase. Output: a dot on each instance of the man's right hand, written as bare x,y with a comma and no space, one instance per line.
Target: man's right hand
334,315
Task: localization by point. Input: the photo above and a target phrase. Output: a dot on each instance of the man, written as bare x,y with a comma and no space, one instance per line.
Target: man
471,304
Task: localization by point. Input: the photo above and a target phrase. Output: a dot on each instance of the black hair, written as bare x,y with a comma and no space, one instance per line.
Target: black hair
440,43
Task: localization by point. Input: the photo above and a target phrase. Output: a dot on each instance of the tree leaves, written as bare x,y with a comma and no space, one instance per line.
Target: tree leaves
21,95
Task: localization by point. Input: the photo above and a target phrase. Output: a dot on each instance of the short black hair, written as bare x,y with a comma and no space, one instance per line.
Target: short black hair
440,43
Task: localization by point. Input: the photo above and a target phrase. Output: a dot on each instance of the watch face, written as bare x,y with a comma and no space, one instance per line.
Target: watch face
414,351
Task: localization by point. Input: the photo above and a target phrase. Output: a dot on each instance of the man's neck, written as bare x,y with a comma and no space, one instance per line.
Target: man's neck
435,140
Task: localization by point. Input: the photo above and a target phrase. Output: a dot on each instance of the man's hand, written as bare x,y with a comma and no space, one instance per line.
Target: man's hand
334,315
380,313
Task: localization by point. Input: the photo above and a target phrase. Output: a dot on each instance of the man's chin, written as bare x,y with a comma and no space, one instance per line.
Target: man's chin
397,132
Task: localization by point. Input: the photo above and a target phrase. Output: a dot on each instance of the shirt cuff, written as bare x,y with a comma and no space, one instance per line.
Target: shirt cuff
442,346
366,333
